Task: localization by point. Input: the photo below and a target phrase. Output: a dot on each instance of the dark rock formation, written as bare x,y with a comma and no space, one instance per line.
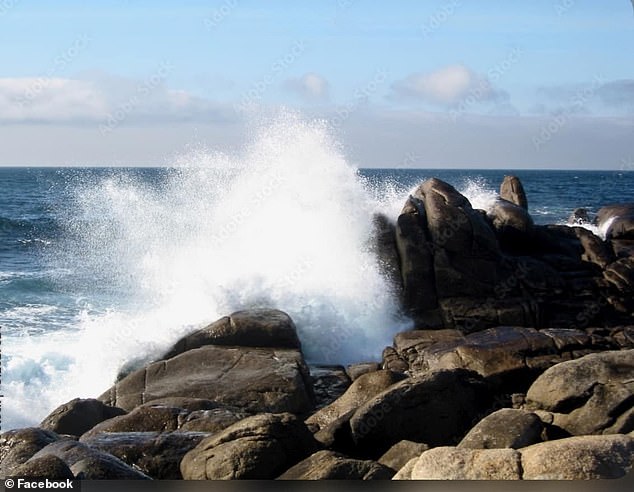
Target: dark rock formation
49,466
450,402
398,455
327,465
512,190
78,416
259,447
622,221
19,445
253,379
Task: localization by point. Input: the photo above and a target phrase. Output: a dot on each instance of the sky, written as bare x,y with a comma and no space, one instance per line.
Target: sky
540,84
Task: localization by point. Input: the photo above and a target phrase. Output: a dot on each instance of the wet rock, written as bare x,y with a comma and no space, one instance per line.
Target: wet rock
89,464
78,416
512,190
513,226
253,379
157,454
249,328
401,453
579,216
579,458
590,395
354,371
141,419
617,220
327,465
328,383
258,447
19,445
449,400
50,467
506,428
211,421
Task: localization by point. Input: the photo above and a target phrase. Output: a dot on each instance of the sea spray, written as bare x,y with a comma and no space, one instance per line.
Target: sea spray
286,224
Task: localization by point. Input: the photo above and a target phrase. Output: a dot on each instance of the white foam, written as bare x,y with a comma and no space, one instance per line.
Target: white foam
286,224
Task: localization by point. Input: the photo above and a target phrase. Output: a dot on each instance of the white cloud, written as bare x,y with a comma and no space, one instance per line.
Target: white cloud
101,99
447,86
309,86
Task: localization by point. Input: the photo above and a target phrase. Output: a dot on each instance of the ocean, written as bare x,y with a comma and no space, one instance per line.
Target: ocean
99,267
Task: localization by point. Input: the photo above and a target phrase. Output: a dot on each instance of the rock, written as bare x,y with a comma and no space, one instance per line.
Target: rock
328,383
449,463
579,216
364,388
89,464
421,339
405,473
211,421
449,400
78,416
401,453
50,467
327,465
622,248
579,458
158,455
512,190
253,379
592,395
337,435
386,252
19,445
141,419
513,226
506,428
249,328
354,371
617,221
258,447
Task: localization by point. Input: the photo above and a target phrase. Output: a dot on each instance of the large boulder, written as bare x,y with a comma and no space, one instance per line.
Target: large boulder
401,453
361,390
142,419
258,447
617,221
579,458
157,454
328,465
513,226
19,445
249,328
78,416
450,463
506,428
450,401
87,463
50,467
590,395
253,379
512,190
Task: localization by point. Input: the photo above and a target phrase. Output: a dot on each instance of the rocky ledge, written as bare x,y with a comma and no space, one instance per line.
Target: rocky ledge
520,366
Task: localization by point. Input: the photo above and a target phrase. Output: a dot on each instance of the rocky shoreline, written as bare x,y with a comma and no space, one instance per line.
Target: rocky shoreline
520,365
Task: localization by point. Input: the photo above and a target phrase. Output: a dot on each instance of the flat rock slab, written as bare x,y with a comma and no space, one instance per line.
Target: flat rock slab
253,379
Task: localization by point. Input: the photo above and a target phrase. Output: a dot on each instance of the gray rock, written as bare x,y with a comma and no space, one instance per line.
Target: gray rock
78,416
50,467
157,454
19,445
579,458
622,217
512,190
89,464
354,371
141,419
449,463
361,390
401,453
327,465
513,226
213,420
328,383
448,400
506,428
253,379
591,395
249,328
258,447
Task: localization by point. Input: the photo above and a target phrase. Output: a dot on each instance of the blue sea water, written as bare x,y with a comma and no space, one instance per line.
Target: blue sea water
98,266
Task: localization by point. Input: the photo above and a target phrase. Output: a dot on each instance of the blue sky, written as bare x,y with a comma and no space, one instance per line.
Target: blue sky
446,83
